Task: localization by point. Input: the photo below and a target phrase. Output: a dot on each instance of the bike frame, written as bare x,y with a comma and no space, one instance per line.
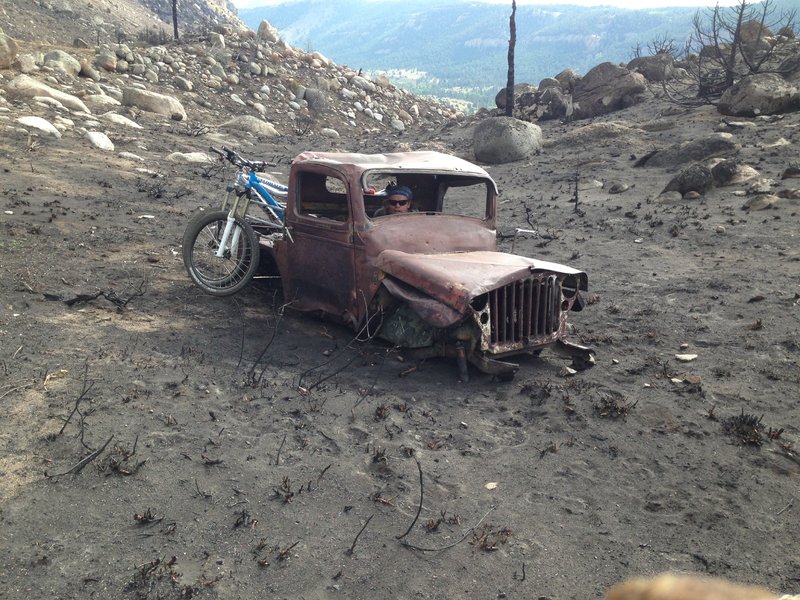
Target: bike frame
247,183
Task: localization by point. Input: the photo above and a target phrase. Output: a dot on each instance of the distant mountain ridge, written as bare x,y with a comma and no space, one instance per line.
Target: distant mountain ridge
457,50
453,49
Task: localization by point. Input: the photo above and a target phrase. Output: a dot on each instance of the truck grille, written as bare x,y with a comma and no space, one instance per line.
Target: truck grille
525,312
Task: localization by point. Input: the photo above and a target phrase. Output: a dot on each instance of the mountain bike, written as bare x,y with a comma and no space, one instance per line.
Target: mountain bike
221,247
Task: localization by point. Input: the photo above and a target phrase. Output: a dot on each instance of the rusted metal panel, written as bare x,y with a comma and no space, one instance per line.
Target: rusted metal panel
432,311
355,164
456,278
424,234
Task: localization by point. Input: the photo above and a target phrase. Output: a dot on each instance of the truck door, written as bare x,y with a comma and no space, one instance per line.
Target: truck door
321,257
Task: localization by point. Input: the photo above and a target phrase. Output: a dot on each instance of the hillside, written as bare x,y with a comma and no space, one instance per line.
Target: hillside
160,443
459,50
467,59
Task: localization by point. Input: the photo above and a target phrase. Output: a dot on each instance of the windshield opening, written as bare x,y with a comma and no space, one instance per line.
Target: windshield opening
431,193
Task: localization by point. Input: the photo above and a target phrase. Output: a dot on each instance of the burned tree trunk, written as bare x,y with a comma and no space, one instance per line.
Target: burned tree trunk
512,41
175,18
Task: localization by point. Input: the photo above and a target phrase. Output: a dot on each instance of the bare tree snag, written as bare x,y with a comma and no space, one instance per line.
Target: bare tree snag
512,41
175,18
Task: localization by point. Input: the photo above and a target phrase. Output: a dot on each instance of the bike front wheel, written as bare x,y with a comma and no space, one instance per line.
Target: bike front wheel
220,273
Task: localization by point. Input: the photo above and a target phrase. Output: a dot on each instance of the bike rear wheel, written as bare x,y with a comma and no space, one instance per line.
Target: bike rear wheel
220,275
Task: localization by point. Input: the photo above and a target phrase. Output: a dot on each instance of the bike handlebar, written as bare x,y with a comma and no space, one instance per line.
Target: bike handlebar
236,159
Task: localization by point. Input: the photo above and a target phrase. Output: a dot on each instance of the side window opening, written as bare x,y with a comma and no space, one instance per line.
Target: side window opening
465,197
322,196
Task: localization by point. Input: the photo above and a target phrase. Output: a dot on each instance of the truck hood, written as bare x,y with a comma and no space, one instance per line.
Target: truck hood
455,278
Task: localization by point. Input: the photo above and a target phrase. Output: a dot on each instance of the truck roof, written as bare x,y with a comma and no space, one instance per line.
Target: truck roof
424,160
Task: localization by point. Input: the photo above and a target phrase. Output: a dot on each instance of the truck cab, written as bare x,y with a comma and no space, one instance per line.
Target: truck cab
429,280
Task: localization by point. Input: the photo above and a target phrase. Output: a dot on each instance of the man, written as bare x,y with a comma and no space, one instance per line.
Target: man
397,201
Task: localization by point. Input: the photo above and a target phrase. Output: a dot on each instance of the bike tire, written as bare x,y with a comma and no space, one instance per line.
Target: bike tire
219,276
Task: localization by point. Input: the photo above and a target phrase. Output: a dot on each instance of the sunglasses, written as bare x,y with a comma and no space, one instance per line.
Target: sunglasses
398,202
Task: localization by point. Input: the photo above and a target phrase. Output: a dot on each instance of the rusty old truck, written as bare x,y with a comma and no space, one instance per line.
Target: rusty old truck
430,281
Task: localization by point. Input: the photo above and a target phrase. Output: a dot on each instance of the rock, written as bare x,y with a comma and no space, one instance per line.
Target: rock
80,43
218,71
715,144
618,187
25,63
322,59
8,50
23,86
669,197
106,60
48,102
131,156
760,94
87,70
123,51
100,101
190,157
790,67
505,139
791,171
184,84
553,103
99,140
217,40
731,172
267,33
724,172
58,59
120,120
607,88
405,117
153,102
298,89
63,123
752,31
567,78
250,124
397,124
317,101
760,202
658,67
696,178
41,125
329,133
519,89
362,83
549,82
760,186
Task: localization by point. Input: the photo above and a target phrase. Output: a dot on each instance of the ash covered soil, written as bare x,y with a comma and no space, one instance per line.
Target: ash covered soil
252,452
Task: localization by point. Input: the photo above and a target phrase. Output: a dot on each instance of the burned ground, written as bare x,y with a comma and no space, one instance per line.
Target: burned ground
250,451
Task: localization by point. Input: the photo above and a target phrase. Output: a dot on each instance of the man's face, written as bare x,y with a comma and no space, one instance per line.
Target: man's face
397,203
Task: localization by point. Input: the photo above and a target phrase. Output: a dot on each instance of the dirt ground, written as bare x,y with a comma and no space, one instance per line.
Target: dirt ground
252,454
